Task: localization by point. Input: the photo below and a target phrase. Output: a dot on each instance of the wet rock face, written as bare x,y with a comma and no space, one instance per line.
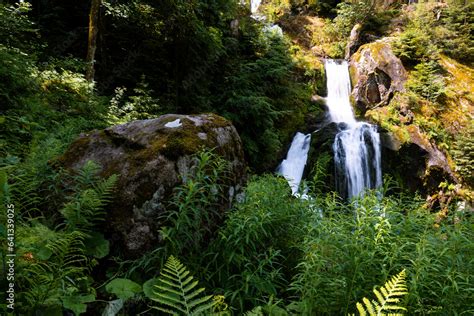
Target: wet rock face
151,157
376,74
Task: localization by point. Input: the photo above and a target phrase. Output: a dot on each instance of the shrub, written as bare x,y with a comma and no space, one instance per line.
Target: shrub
346,253
260,96
414,45
464,154
256,249
16,29
141,105
54,264
455,32
426,81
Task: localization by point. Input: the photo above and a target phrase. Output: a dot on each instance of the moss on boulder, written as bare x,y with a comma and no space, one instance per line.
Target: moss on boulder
151,157
376,74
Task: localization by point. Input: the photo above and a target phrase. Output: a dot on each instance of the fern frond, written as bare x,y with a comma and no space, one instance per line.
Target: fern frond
177,291
23,191
388,297
86,208
87,175
67,263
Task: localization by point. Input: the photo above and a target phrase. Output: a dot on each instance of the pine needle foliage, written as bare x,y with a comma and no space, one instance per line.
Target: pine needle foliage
388,298
463,153
177,291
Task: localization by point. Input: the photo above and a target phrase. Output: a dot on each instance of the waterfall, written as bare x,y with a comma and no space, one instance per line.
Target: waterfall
339,89
254,5
292,167
356,147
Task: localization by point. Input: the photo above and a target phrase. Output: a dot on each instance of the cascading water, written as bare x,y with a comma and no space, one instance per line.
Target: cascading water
292,167
254,5
356,147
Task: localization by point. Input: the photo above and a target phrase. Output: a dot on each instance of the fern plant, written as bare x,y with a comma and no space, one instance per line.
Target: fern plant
59,275
86,208
388,298
177,292
60,260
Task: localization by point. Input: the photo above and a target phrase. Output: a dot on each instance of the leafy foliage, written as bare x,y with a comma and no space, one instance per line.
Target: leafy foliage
259,96
464,154
435,28
16,29
426,81
176,291
414,45
141,105
86,209
388,297
52,272
345,253
194,211
272,253
455,32
123,288
258,240
195,206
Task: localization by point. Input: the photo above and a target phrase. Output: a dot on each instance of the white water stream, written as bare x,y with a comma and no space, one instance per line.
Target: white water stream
254,5
356,147
292,167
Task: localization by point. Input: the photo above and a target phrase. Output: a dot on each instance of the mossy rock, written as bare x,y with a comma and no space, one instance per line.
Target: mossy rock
376,75
417,163
151,157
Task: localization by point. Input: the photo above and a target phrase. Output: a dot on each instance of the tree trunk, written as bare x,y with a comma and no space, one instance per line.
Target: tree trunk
92,41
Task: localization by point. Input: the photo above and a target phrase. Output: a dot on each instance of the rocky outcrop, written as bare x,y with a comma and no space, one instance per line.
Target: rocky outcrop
354,41
151,157
376,74
420,164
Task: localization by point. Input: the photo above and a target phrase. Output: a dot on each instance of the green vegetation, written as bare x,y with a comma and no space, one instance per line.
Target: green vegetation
387,295
464,153
176,281
426,81
257,250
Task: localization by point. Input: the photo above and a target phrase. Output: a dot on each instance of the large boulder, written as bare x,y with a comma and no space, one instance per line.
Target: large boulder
151,157
376,74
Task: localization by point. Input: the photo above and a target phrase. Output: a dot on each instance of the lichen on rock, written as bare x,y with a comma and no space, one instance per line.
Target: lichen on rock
150,159
376,74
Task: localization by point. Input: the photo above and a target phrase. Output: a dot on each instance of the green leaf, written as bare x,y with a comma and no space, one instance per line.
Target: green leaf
123,288
3,186
44,253
176,291
149,287
97,246
77,304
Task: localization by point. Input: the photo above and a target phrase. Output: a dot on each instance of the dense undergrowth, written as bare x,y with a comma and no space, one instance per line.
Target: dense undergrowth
271,253
307,257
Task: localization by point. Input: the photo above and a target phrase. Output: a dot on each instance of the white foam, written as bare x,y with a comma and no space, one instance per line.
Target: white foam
292,167
357,146
174,124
